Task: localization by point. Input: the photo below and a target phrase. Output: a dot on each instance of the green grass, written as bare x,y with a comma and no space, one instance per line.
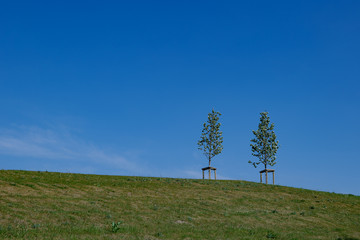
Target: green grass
44,205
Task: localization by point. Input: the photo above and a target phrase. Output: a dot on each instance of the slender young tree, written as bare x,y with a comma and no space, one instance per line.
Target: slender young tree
211,137
264,146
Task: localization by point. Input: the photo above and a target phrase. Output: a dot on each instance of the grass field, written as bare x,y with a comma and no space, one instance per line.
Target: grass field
46,205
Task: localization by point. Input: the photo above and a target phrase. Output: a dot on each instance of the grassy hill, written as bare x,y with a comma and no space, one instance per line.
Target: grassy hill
45,205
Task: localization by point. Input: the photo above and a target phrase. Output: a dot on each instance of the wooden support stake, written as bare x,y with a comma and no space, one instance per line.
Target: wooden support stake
209,174
266,177
273,178
215,174
203,174
260,177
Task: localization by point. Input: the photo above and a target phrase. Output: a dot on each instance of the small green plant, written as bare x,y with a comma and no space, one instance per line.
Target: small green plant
35,225
270,235
115,227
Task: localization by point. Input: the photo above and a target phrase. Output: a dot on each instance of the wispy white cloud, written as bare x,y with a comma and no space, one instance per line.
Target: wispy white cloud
59,144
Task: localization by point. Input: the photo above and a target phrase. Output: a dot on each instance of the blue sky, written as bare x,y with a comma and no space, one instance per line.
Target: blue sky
108,87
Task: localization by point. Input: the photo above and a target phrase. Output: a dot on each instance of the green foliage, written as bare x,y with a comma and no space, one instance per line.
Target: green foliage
211,137
271,235
264,146
115,227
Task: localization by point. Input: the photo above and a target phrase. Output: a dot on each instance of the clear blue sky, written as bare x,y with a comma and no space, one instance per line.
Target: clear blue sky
108,87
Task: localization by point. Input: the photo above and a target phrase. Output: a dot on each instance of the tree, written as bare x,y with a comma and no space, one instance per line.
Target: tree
264,144
211,138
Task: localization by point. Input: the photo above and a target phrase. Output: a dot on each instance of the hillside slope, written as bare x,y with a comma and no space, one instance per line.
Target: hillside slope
44,205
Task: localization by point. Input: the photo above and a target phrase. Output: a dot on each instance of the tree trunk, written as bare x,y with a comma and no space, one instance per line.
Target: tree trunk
265,162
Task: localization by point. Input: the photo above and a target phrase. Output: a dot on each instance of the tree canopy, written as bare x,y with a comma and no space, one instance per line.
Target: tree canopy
264,146
211,137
